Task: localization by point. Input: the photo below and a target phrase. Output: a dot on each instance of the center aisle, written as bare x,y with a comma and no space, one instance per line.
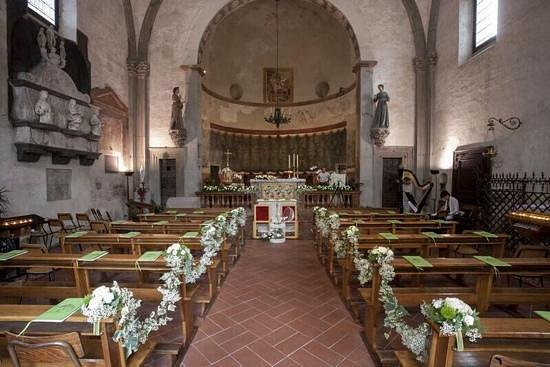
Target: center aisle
278,308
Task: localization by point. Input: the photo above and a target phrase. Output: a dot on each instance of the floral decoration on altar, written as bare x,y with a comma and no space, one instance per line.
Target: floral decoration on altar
452,314
230,188
308,188
132,330
266,177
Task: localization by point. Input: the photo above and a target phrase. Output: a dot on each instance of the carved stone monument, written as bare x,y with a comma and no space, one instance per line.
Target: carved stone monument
177,129
49,114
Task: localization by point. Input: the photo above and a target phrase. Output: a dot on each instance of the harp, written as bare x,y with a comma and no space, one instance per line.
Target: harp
410,184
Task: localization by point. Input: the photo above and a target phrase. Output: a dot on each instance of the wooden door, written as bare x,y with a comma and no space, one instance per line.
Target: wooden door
390,182
167,179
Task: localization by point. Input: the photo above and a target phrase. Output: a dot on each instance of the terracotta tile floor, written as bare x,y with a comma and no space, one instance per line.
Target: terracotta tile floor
278,308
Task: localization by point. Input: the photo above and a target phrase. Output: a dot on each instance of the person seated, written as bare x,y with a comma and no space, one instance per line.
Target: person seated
450,208
323,177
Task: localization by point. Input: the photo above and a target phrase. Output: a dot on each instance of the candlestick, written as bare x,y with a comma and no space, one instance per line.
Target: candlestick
289,162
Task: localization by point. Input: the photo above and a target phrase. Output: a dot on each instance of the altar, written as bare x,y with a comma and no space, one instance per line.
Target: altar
277,205
277,189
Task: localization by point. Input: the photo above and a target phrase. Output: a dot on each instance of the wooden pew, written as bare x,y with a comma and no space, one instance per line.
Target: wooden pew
481,295
82,284
443,354
418,243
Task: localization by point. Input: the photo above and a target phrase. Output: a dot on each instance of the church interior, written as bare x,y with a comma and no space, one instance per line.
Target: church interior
280,183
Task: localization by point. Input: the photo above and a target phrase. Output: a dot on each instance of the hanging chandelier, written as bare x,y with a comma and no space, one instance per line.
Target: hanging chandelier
277,117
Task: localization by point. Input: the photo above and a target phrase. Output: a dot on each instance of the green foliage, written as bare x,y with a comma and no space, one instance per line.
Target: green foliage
4,202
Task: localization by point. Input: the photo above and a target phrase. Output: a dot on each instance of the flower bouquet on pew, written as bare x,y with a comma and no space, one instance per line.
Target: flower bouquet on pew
454,317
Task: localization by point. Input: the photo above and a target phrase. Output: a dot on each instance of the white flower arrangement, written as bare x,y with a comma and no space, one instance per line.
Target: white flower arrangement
455,317
265,177
120,303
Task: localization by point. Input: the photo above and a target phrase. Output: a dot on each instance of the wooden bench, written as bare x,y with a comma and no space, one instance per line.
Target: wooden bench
102,350
443,354
417,243
481,295
82,285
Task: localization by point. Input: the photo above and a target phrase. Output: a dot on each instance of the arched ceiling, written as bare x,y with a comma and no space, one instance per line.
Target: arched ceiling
316,42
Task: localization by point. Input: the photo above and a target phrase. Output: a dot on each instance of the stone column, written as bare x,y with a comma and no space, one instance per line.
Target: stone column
364,147
422,128
129,134
141,125
192,154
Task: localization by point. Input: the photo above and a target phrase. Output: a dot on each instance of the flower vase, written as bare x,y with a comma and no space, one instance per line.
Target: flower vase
278,231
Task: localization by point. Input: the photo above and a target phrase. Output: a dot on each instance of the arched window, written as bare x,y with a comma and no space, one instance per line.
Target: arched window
48,10
485,23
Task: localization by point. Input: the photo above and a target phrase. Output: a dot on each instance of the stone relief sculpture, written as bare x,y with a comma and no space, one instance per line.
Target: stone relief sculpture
74,117
96,124
32,103
381,121
177,128
41,40
43,109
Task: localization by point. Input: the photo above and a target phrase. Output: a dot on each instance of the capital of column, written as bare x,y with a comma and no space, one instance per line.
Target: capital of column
195,67
369,64
139,68
421,63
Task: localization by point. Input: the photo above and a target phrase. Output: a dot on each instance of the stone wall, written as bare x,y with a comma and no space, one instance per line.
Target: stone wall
102,22
510,78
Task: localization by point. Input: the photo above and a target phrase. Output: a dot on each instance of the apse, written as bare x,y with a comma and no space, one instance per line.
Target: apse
317,52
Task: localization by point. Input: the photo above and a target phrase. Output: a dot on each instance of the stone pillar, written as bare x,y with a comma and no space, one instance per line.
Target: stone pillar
422,128
130,132
192,153
364,147
141,124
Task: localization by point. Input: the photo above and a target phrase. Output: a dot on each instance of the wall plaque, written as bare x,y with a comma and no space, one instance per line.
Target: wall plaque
58,184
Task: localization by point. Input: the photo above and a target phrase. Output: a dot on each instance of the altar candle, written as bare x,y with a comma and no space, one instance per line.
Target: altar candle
297,162
289,162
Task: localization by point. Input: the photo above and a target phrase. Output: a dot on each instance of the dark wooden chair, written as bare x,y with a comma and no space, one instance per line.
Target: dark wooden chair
109,218
530,251
83,220
52,349
68,222
56,229
99,215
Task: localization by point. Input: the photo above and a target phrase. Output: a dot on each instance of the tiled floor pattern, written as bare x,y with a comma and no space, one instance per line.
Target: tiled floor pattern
278,308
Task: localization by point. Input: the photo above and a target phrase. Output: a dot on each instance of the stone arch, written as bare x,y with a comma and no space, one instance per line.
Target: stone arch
233,5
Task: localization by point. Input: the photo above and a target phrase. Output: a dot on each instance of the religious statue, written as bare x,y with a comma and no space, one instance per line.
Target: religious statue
381,120
62,54
95,121
41,40
74,117
43,109
177,129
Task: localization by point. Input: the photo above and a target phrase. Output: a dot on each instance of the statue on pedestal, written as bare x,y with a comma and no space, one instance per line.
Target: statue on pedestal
381,121
43,109
177,129
41,40
74,117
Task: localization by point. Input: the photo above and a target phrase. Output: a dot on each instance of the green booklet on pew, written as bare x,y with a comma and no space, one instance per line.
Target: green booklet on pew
129,234
489,260
93,256
198,212
161,222
171,212
150,256
76,234
120,221
62,311
418,262
388,236
544,314
432,235
390,212
486,234
394,221
190,235
11,254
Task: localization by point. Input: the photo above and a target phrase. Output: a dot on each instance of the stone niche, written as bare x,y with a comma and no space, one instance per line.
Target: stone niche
71,129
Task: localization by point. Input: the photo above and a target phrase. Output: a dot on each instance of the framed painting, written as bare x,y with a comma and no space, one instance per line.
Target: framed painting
278,85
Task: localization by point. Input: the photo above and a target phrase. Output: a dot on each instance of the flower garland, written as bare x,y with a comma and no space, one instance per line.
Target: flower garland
120,303
414,339
308,188
265,177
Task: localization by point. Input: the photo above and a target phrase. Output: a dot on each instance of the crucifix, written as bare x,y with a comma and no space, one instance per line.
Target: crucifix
227,154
